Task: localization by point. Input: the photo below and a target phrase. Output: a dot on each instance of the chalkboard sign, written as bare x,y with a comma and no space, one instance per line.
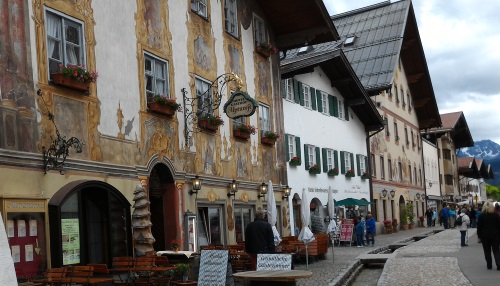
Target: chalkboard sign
213,268
274,262
346,232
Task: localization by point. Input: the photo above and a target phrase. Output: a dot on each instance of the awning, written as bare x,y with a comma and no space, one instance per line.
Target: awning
352,202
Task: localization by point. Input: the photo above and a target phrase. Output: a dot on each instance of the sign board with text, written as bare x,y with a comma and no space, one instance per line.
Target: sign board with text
240,104
346,232
213,267
274,262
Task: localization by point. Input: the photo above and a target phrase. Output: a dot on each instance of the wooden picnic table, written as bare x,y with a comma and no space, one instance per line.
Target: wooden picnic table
272,277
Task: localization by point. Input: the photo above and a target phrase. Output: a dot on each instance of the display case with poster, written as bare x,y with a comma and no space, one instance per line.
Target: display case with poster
26,223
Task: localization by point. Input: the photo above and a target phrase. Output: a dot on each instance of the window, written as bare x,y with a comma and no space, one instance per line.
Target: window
324,103
372,165
389,169
447,154
341,109
408,99
291,146
400,169
204,97
387,133
289,89
311,158
406,137
265,124
65,42
403,97
382,169
396,92
200,7
239,121
242,217
210,225
156,76
330,159
362,163
384,206
412,139
347,161
307,96
259,31
396,134
415,173
448,180
231,17
409,172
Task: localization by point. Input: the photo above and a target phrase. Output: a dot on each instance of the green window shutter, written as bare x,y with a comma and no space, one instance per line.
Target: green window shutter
352,161
366,165
287,147
296,94
335,158
325,163
312,92
318,157
319,97
346,111
297,147
283,90
306,156
335,107
358,164
330,105
342,162
301,93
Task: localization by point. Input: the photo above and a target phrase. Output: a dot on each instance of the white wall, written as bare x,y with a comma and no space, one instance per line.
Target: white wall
431,168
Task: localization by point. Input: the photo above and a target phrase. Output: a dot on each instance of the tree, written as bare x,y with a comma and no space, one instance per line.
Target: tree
493,192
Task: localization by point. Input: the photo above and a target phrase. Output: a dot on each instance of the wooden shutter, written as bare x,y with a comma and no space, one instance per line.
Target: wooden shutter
352,161
358,164
287,147
296,94
330,105
335,158
346,111
312,92
342,162
297,148
301,93
325,160
319,97
335,107
318,157
306,156
367,168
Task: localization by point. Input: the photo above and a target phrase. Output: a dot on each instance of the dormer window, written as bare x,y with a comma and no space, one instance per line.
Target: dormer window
349,41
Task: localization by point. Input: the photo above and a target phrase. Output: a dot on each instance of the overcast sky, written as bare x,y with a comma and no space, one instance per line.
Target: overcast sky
461,40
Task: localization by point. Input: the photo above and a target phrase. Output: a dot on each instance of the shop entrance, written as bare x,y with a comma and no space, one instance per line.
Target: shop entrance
89,223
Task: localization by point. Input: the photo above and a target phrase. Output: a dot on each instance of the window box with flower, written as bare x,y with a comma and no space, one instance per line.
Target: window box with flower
295,161
210,122
162,104
74,76
333,172
314,169
269,138
266,50
366,175
243,131
350,173
174,243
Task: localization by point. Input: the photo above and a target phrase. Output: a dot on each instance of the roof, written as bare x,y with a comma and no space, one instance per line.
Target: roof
456,124
485,170
386,32
337,68
467,167
314,26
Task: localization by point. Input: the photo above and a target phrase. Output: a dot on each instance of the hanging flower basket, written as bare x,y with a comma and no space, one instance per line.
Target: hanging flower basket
269,138
241,134
350,173
314,169
210,122
365,176
74,76
266,50
333,172
62,80
295,161
163,105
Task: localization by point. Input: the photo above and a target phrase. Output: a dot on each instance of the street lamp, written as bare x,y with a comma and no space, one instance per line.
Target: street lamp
393,193
262,190
233,188
384,193
286,192
196,185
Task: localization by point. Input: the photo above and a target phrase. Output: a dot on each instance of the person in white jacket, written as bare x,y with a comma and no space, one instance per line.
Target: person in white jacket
464,226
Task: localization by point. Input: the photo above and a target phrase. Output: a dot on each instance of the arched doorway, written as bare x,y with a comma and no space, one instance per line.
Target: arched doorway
164,208
89,223
317,216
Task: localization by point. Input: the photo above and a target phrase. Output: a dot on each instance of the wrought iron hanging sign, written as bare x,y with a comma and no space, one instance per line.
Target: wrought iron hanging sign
240,105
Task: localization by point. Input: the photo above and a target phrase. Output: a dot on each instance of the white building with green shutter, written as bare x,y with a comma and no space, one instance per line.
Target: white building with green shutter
328,117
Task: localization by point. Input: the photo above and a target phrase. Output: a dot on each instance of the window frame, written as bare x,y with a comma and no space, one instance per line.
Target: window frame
362,165
259,31
154,62
307,96
389,170
231,21
382,168
292,149
201,97
347,161
341,109
311,150
262,121
197,9
330,159
62,42
325,103
289,89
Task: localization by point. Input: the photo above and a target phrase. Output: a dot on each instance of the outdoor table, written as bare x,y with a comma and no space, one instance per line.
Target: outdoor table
143,269
177,257
272,277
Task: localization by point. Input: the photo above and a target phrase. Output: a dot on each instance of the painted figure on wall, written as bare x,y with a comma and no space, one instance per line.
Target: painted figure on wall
202,53
208,157
152,17
234,60
241,163
263,75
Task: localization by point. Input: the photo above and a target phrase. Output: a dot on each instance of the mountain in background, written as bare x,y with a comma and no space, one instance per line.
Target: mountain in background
490,152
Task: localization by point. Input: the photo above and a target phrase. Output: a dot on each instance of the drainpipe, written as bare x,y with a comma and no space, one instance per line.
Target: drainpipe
370,157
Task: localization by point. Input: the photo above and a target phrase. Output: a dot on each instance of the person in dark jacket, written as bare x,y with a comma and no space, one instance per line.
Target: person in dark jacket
428,215
259,238
488,230
370,229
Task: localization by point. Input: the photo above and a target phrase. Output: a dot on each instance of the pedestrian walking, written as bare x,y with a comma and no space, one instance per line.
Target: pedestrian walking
488,230
472,215
452,213
370,229
360,231
259,238
434,216
428,215
463,222
444,217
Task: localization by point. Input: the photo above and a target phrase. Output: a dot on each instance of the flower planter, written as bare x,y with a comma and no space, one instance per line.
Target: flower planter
349,175
62,80
158,108
388,228
412,226
205,124
294,163
365,177
404,227
240,134
394,227
314,171
267,141
262,52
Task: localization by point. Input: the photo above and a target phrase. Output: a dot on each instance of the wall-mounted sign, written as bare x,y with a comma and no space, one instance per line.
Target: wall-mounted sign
240,104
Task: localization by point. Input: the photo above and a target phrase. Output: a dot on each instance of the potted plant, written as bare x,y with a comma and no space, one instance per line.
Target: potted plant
411,215
269,138
394,225
266,50
74,77
421,219
403,217
366,175
314,169
243,131
333,172
295,161
350,173
163,105
210,122
182,271
388,225
175,245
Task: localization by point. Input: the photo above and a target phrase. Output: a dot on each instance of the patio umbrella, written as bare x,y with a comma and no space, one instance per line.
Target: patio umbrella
272,213
332,226
352,202
305,234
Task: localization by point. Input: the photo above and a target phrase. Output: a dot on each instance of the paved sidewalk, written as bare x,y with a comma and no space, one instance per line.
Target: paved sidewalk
326,272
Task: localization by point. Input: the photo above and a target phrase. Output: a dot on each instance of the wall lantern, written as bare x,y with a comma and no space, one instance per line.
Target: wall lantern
384,193
418,196
262,190
196,185
233,188
286,192
393,193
